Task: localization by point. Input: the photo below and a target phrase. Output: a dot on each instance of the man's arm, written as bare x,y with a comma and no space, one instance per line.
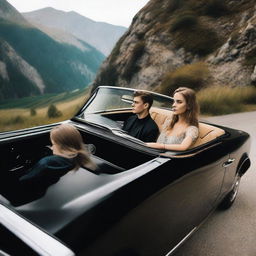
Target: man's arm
151,131
151,135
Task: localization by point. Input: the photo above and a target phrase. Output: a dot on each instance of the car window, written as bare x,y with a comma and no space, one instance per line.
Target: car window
108,99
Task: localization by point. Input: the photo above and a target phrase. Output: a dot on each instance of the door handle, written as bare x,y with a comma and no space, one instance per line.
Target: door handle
229,162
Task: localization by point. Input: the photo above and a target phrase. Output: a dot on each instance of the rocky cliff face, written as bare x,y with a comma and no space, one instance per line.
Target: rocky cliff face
194,42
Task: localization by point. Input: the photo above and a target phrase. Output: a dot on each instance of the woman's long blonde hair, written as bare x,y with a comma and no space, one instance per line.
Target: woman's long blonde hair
192,112
70,141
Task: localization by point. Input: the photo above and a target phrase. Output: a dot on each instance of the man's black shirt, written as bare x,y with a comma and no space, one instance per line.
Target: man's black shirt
144,129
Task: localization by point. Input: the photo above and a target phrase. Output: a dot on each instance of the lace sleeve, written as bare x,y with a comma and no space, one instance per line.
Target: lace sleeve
166,124
193,132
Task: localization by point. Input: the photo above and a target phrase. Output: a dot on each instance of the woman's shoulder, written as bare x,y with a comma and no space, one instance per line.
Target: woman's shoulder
192,131
193,127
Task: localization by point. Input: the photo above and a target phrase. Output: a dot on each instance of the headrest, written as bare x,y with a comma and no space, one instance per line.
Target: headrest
204,130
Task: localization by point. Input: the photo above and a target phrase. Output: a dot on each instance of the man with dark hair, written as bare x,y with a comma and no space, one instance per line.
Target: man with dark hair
141,125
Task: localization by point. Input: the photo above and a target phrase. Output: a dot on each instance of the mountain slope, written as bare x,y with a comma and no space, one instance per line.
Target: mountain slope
101,35
185,42
8,12
33,63
17,77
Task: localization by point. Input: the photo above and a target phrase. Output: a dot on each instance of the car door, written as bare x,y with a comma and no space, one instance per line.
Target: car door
238,161
173,200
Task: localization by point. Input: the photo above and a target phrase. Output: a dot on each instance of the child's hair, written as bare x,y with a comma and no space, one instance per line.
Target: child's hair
70,142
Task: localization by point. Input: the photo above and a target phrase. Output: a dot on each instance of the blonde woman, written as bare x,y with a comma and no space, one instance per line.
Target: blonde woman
182,131
68,153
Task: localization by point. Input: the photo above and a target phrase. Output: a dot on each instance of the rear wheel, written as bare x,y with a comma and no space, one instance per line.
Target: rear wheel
231,196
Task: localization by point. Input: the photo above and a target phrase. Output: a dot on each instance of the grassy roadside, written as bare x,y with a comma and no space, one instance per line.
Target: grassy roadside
20,118
219,100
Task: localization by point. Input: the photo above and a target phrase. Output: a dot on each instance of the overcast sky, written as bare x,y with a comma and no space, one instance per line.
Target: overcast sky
116,12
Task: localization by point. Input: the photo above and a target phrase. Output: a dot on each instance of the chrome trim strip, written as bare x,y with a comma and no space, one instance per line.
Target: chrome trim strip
182,241
37,239
2,253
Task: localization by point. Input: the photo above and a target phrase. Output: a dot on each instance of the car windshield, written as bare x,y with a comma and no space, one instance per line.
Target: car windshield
110,99
109,107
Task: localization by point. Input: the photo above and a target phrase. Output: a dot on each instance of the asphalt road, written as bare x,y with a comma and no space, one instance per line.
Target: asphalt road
231,232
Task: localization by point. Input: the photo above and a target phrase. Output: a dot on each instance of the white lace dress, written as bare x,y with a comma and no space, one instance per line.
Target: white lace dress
191,131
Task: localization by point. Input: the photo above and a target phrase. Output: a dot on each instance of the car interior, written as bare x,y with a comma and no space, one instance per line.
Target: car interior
22,152
207,132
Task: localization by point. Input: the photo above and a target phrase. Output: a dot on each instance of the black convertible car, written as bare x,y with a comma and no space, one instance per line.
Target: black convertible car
140,201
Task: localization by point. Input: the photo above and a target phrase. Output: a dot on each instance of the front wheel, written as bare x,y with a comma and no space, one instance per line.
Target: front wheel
231,196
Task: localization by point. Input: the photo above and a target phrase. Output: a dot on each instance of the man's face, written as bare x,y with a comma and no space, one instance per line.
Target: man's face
138,106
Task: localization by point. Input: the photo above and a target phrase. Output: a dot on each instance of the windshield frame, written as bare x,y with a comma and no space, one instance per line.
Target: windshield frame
96,91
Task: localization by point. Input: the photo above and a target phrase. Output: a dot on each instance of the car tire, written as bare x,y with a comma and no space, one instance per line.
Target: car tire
229,199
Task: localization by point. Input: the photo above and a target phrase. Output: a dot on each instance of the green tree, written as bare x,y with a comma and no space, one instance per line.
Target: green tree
33,112
53,111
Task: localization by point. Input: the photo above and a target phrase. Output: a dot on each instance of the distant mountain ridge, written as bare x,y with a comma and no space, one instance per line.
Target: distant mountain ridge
32,62
101,35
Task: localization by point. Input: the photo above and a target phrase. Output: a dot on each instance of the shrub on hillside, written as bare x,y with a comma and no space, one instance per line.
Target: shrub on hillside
192,75
108,76
140,35
213,8
173,5
197,39
116,50
53,112
192,34
131,66
250,57
16,120
184,21
138,50
33,112
216,8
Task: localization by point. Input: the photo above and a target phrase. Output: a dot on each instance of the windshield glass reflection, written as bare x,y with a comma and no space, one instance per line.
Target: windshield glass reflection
109,99
109,107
